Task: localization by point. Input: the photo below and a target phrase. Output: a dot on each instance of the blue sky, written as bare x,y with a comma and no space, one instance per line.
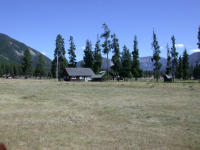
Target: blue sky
37,22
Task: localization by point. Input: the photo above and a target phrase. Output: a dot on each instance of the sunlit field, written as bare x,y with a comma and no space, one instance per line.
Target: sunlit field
143,115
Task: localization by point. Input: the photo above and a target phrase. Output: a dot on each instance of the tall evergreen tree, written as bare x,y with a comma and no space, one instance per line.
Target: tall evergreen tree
88,55
106,45
27,64
174,56
116,55
11,71
1,70
60,54
186,67
15,70
168,67
19,70
179,72
71,52
199,38
196,71
97,57
136,71
126,63
41,70
156,57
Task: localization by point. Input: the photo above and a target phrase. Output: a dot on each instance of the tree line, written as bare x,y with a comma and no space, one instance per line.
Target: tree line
126,64
26,68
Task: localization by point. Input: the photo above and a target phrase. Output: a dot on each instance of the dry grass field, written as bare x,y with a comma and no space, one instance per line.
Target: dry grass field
45,115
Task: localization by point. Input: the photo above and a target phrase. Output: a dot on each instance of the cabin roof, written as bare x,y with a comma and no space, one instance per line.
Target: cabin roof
168,76
80,72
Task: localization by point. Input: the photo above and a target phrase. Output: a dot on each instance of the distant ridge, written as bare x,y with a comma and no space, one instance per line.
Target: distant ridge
12,51
147,65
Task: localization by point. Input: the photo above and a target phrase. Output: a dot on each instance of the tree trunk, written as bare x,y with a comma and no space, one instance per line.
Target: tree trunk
107,65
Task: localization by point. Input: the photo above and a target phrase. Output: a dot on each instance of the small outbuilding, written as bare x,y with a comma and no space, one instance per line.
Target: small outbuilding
78,74
167,78
98,77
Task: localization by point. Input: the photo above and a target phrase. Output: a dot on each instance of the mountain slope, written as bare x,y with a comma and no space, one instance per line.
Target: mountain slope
147,65
12,51
194,59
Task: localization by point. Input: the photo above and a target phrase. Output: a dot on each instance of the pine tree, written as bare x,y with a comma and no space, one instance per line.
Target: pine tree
19,69
53,68
1,70
179,73
15,70
71,52
116,55
60,54
97,57
40,70
27,64
106,45
156,57
186,68
174,56
191,72
196,71
136,71
11,72
88,55
126,63
199,38
168,67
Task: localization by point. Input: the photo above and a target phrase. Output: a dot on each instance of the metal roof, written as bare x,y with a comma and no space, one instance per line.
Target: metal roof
78,72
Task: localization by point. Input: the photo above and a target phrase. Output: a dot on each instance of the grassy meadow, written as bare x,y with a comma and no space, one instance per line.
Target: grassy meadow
46,115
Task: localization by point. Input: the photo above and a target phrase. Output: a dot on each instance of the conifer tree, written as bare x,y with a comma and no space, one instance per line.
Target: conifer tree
199,38
88,55
186,68
19,70
97,57
27,64
136,71
126,63
60,54
116,55
40,70
179,73
15,70
196,71
106,44
11,72
2,68
156,57
1,71
168,67
174,56
71,52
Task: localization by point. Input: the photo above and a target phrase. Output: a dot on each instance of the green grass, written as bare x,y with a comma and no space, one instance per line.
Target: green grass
43,114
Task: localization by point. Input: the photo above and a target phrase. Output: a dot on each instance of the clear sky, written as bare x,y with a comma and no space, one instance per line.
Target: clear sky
37,22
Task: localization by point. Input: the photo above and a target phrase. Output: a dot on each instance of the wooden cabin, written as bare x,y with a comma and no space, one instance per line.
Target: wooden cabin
78,74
